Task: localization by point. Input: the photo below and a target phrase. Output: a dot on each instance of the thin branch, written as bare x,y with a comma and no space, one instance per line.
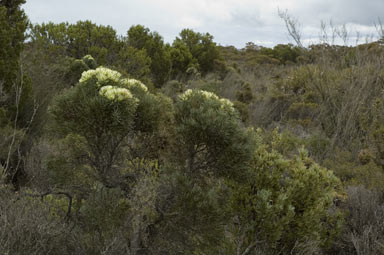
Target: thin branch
68,195
379,28
292,25
18,91
343,33
251,247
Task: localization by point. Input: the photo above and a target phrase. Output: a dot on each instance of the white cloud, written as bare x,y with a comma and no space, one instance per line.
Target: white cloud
231,22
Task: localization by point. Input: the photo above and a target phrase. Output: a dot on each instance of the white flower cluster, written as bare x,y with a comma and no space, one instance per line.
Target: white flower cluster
134,84
115,93
88,58
111,85
225,103
188,93
103,76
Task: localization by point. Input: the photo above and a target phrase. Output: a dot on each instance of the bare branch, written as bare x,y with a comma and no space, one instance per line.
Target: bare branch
343,33
292,25
323,32
15,145
379,28
18,91
68,195
251,247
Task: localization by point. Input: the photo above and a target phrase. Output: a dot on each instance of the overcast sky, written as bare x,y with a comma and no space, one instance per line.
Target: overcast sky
231,22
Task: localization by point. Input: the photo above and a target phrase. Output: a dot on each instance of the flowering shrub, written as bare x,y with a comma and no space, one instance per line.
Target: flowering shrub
115,93
89,61
134,85
189,93
105,111
208,127
103,76
111,85
205,96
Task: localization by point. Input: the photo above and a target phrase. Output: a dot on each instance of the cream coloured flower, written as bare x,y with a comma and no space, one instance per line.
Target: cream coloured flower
103,76
188,93
209,95
115,93
224,103
134,84
88,58
104,90
87,75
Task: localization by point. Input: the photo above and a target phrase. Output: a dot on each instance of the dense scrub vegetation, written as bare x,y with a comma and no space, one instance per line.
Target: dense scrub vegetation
129,145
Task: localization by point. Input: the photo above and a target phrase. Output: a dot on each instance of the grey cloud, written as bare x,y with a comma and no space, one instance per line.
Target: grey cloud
249,20
340,11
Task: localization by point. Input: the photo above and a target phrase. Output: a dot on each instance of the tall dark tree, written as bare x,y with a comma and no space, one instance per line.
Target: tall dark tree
14,88
201,46
140,38
13,23
78,40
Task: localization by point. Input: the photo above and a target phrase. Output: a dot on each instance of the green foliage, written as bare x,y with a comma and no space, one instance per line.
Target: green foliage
15,85
244,94
103,120
351,173
182,58
104,209
81,101
378,132
13,23
310,95
77,67
104,112
286,53
86,38
78,40
243,110
202,51
285,204
9,137
135,63
193,212
365,156
209,135
141,38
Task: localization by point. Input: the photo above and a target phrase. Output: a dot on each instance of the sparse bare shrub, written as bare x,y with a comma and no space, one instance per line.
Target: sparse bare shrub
36,165
27,227
364,224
